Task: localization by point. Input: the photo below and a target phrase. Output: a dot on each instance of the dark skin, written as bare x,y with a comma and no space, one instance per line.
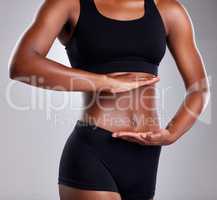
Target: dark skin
57,18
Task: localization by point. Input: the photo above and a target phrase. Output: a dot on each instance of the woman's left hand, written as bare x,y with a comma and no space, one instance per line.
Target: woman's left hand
161,137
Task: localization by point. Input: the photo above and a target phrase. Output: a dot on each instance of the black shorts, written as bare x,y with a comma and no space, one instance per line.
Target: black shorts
92,159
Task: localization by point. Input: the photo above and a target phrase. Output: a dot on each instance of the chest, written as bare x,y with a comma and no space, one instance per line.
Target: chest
142,38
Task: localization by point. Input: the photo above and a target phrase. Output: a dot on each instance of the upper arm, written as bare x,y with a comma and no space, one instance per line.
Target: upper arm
182,45
47,24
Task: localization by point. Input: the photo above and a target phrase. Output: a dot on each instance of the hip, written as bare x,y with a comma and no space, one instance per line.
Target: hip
132,167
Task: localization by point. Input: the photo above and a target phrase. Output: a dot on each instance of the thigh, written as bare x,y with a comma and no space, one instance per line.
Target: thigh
71,193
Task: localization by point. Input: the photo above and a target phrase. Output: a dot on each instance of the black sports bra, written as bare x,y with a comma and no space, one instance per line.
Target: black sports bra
101,44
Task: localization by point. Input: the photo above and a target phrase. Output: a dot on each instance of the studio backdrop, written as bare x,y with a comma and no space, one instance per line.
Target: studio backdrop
35,123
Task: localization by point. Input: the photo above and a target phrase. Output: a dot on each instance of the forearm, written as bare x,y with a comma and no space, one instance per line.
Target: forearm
45,73
192,106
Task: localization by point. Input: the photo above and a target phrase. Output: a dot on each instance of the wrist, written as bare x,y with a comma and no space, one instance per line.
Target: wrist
173,136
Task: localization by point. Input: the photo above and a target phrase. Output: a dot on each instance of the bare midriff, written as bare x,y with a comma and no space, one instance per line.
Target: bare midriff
133,110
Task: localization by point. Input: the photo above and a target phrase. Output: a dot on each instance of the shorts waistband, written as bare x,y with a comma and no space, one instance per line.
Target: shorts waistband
91,126
100,138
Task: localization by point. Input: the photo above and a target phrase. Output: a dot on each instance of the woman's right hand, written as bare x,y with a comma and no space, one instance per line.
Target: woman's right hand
125,81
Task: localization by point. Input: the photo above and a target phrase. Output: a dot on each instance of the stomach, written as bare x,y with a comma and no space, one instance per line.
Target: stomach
134,110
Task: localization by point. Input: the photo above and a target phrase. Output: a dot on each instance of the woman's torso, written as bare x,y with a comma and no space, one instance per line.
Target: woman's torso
134,110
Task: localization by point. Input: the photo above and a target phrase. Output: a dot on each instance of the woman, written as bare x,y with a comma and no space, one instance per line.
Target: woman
115,48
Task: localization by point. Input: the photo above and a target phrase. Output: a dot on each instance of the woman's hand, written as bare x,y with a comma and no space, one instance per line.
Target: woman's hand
160,137
125,81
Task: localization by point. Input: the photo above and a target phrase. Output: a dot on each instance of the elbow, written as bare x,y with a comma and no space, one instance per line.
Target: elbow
199,93
15,71
205,96
14,66
205,89
200,87
19,68
20,72
20,64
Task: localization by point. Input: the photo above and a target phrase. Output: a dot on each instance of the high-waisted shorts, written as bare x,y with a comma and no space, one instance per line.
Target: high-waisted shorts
93,160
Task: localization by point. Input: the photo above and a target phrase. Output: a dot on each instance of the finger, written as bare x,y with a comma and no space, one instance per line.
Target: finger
136,137
124,133
148,82
139,140
145,134
145,78
132,139
148,141
133,136
142,79
150,76
152,80
157,137
117,73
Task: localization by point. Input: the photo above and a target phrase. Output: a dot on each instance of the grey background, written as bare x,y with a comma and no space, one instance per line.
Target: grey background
31,141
